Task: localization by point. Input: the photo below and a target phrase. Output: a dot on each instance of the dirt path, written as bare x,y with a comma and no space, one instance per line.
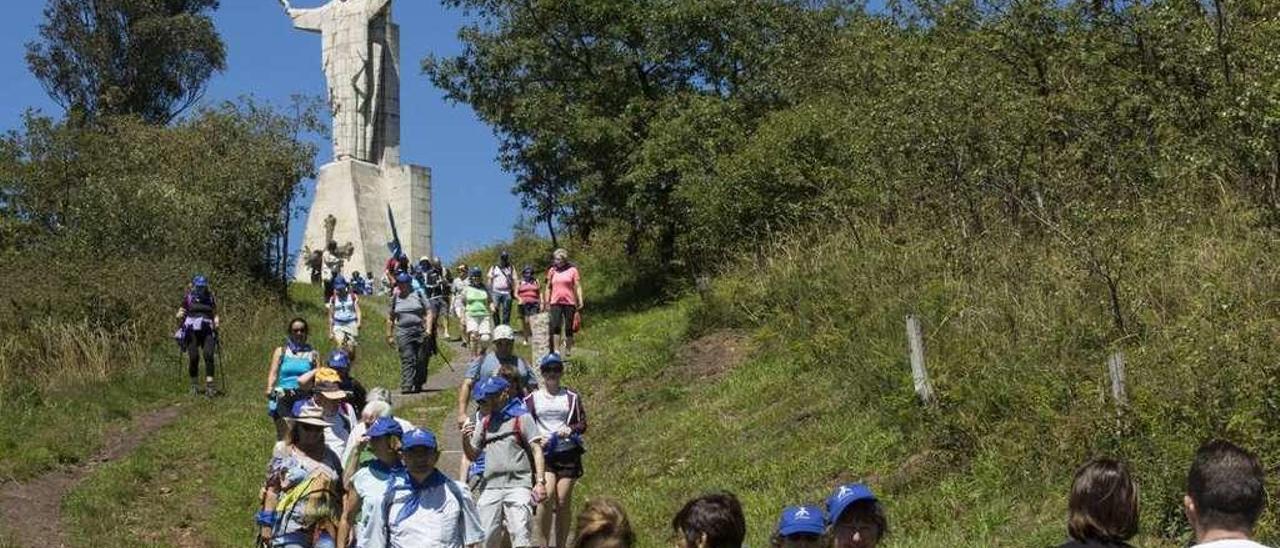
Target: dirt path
439,400
32,511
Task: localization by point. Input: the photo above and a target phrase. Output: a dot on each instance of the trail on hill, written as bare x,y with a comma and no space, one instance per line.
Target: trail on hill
32,510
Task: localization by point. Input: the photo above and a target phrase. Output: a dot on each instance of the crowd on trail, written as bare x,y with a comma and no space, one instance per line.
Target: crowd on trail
346,471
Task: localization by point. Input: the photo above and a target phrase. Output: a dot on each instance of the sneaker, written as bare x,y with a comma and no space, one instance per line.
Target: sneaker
195,389
211,390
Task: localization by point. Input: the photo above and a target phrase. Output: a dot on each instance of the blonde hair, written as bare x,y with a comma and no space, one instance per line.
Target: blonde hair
560,254
603,524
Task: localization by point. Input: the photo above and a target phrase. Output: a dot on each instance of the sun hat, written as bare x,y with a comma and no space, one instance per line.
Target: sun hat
550,360
504,333
327,380
305,412
418,438
339,359
385,426
424,259
844,496
490,387
801,520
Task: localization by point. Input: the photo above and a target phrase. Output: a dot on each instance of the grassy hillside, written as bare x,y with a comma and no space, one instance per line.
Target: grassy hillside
790,375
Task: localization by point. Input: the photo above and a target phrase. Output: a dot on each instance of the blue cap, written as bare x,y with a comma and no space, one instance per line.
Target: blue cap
404,278
339,282
475,271
385,426
844,496
550,359
200,281
418,438
339,359
489,387
797,520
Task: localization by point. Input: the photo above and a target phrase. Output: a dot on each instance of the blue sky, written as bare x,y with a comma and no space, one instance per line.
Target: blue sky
270,60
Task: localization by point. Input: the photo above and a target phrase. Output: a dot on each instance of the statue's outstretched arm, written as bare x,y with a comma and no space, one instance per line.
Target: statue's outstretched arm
311,19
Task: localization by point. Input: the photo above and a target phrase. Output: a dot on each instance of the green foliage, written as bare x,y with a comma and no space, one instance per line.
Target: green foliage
212,189
149,58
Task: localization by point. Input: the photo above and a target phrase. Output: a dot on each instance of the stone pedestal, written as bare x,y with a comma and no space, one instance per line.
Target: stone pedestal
357,194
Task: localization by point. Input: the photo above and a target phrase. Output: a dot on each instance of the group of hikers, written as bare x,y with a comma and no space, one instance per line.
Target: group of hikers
346,471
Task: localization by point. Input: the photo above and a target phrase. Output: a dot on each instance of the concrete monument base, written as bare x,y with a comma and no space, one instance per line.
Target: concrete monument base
357,194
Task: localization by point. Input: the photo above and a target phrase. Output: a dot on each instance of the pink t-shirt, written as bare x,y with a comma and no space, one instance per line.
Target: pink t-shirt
564,285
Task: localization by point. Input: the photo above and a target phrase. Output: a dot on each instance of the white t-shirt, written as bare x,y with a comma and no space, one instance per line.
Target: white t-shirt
553,411
1231,543
436,521
500,278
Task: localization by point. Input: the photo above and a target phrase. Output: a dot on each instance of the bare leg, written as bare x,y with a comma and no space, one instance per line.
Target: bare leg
564,509
546,511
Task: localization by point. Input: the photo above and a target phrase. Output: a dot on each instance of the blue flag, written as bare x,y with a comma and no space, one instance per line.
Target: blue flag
394,245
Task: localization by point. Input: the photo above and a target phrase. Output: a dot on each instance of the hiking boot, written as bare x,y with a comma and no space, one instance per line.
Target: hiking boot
211,390
195,389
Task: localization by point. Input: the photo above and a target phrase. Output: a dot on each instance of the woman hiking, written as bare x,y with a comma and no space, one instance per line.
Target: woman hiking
458,288
292,365
366,484
527,292
562,295
407,332
198,331
344,314
559,414
300,502
479,314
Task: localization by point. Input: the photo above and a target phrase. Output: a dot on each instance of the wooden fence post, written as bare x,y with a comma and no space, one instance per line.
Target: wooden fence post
920,376
1115,366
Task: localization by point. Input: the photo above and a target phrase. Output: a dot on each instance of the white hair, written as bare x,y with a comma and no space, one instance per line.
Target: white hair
375,410
378,393
560,254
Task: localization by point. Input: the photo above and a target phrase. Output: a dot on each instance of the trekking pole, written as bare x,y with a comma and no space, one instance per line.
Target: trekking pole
222,365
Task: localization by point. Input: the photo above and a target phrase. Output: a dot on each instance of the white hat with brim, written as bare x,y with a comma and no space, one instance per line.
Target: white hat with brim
312,415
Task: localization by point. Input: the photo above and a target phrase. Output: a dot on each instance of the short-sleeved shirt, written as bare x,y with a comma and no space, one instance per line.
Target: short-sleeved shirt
488,366
564,284
314,485
446,515
501,278
507,463
476,301
370,483
408,311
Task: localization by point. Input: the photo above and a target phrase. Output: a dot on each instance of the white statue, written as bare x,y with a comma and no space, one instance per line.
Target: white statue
352,68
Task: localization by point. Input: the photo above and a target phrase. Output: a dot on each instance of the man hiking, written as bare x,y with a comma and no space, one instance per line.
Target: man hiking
502,282
423,507
514,476
198,333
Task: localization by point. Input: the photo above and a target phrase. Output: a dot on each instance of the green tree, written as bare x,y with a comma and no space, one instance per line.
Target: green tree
150,58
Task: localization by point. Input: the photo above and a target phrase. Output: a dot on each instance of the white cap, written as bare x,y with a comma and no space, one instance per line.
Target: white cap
504,333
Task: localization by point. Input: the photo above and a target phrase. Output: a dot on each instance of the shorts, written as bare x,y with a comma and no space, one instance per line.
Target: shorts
565,464
437,305
529,309
562,319
349,331
459,309
480,325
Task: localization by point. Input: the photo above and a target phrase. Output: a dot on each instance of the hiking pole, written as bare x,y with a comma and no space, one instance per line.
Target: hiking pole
221,365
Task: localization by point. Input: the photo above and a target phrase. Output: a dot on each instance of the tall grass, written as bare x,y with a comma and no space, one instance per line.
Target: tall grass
1018,329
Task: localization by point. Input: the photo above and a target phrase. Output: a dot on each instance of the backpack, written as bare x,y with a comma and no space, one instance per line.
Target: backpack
485,440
